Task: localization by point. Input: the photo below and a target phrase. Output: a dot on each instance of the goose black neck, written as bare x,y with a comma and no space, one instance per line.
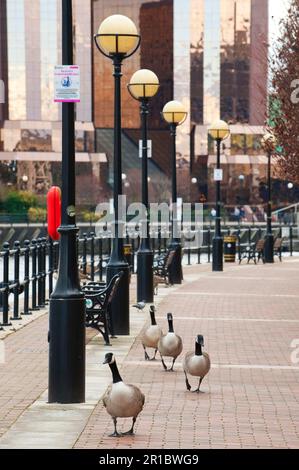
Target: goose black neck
198,351
115,373
170,326
153,318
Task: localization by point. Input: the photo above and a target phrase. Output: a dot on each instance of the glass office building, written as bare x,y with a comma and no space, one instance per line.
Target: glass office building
209,54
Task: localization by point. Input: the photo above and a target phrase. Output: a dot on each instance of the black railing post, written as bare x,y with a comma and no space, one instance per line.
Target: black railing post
44,275
84,254
209,245
34,274
5,284
51,265
16,281
92,235
39,273
100,244
26,277
291,240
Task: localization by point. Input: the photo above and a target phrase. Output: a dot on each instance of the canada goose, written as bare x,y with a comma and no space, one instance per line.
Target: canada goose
140,305
197,364
151,335
170,345
121,400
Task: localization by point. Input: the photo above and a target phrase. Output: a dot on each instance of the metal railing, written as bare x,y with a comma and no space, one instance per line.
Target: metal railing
27,271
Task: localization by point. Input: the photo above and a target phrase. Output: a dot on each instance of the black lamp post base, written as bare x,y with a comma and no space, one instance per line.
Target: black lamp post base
217,264
175,270
269,248
67,340
145,280
120,306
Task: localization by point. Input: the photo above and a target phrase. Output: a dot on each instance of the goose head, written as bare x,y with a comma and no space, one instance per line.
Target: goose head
170,322
109,358
199,343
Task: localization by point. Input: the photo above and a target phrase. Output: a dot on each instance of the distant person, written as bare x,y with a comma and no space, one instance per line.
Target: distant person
237,214
242,213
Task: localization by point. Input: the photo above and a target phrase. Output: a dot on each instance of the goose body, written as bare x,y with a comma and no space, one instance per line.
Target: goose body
170,345
151,335
121,400
196,363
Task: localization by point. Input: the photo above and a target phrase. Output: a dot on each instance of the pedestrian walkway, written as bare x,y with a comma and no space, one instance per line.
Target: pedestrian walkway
249,317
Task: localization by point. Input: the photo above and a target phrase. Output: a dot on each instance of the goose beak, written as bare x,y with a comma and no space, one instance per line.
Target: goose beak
106,360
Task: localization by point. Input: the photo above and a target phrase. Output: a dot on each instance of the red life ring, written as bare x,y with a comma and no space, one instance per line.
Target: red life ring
54,212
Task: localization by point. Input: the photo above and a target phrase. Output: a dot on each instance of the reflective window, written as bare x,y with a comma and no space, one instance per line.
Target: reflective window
235,60
16,59
48,40
196,53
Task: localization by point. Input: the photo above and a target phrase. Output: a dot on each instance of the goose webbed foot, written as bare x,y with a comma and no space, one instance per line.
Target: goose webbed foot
131,431
115,433
198,388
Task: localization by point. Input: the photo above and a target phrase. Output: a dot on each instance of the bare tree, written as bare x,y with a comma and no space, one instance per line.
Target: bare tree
284,98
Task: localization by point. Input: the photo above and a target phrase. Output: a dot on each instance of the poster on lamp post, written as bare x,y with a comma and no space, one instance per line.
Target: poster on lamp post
67,84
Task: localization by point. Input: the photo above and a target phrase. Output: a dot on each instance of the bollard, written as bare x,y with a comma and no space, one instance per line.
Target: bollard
198,255
26,277
5,285
189,256
92,235
16,282
34,274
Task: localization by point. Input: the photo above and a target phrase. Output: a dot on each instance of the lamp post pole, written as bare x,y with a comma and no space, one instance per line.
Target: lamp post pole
217,264
269,240
117,262
145,285
176,273
67,305
117,39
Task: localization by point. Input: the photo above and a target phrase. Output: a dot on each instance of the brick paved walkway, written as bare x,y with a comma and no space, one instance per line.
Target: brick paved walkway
248,315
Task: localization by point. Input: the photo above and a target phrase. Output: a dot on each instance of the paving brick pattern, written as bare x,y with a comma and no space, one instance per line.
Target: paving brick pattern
248,316
24,375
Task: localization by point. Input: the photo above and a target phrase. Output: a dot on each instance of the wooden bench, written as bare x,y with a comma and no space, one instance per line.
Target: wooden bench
277,249
161,267
98,300
254,252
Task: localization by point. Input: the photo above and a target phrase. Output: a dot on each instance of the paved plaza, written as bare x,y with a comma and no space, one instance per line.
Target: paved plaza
249,317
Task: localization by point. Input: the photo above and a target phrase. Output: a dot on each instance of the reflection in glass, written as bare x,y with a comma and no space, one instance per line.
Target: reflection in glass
16,59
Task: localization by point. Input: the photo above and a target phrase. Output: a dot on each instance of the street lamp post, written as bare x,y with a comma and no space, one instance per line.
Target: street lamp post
67,305
219,131
175,114
143,85
117,39
269,144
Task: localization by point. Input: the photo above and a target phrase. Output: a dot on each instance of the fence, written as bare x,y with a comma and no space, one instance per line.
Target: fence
27,272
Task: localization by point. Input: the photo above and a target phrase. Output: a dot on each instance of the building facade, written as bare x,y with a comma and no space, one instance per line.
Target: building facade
209,54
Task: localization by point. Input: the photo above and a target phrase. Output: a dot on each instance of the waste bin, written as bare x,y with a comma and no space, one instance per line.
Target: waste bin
230,242
128,255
